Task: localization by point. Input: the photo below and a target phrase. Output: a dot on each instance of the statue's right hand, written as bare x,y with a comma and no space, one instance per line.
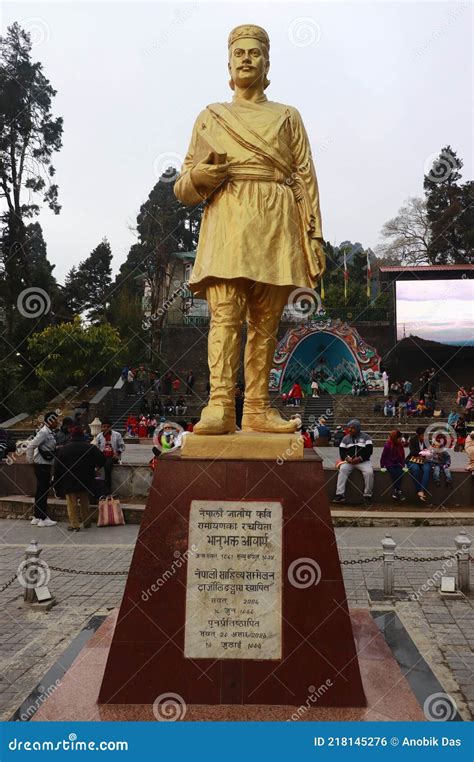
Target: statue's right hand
207,176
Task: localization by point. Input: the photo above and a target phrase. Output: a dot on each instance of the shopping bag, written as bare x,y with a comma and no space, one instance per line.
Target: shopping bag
110,512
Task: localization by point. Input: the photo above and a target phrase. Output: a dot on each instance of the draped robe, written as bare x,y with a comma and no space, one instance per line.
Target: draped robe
264,222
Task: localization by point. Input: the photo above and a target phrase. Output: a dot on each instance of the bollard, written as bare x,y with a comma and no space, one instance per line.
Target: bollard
32,554
388,547
37,595
463,544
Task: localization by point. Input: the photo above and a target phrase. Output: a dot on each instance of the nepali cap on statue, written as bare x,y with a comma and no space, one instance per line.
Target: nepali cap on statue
249,30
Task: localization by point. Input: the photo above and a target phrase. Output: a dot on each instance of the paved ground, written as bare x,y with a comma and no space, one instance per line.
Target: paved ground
139,454
30,642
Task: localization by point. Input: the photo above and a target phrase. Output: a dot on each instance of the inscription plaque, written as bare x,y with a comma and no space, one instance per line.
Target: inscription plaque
233,591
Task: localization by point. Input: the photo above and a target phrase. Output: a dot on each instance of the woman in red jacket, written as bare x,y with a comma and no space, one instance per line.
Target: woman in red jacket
393,461
296,394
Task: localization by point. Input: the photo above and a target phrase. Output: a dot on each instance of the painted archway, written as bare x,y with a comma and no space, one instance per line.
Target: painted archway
333,349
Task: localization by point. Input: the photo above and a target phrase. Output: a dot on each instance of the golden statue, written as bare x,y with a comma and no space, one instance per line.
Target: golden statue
260,236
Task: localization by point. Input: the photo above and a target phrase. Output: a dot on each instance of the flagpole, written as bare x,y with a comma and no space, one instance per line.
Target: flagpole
345,280
369,277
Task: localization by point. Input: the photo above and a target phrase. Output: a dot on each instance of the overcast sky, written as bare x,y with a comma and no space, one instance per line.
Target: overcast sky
381,86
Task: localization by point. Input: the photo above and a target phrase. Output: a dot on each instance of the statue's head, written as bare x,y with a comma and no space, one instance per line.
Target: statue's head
249,56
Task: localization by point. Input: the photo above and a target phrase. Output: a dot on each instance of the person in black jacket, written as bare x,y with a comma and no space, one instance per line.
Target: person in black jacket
355,451
75,471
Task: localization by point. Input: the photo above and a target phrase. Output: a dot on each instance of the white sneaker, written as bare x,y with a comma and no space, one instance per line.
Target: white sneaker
34,520
47,523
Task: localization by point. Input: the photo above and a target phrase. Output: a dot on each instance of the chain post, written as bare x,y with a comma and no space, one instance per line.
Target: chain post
388,547
32,554
463,545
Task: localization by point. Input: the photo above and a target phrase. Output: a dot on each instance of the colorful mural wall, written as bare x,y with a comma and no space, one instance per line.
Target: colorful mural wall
333,350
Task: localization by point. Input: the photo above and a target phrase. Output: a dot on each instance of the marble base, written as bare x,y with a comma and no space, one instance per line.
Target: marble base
242,445
389,696
317,642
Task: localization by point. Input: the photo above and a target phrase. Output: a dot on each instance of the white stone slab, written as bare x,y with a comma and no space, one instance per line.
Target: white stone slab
234,586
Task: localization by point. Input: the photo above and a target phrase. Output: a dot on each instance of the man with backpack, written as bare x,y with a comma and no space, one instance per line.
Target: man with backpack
40,451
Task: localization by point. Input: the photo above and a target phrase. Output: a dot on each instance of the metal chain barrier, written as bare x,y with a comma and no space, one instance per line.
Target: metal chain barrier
94,573
430,558
7,584
352,561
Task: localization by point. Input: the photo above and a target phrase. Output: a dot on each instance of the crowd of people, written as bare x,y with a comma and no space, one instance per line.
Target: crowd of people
426,460
66,460
141,380
465,400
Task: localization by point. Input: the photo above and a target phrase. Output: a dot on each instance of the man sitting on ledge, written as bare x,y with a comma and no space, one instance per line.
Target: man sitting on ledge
355,451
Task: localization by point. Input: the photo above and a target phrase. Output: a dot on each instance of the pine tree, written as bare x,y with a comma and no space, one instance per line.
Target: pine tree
29,135
164,227
450,208
87,286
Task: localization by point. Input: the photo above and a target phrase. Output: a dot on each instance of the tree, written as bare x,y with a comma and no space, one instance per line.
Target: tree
357,305
407,236
164,226
75,353
29,135
450,210
87,286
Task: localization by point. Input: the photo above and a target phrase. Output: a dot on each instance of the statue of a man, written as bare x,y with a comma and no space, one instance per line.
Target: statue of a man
260,236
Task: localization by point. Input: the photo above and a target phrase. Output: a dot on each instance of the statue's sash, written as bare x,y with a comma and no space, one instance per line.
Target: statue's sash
246,137
252,141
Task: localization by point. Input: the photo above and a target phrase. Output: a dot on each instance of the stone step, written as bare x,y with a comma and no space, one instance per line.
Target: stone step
20,507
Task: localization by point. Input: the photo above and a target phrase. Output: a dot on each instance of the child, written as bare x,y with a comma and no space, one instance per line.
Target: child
441,462
469,449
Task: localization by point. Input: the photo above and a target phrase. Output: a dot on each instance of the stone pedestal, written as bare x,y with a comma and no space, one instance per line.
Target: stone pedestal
244,445
308,627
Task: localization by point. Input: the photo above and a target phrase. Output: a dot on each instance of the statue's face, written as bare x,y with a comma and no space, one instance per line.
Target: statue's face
247,62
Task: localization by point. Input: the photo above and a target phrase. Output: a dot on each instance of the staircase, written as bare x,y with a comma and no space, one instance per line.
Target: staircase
315,407
129,405
376,424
